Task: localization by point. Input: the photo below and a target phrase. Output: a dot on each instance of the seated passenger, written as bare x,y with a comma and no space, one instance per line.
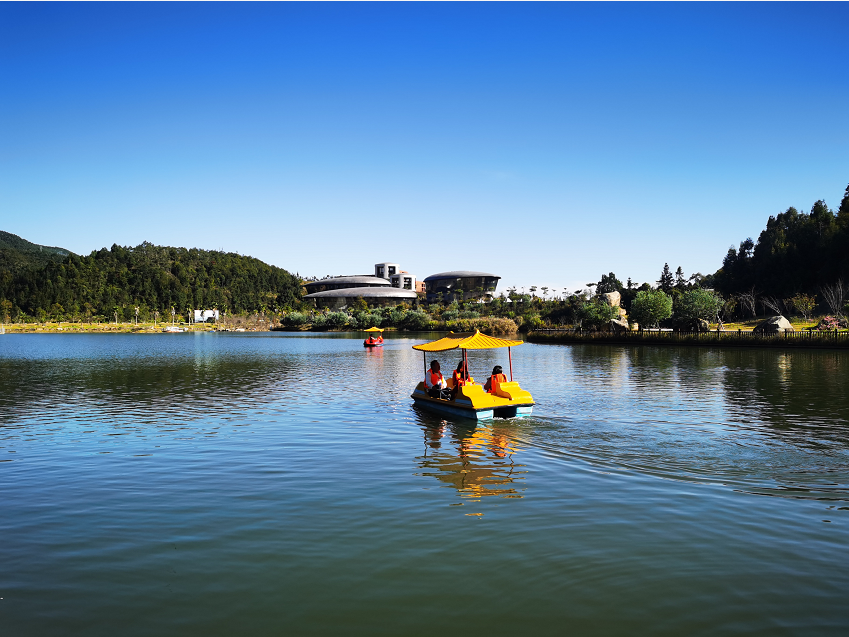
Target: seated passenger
461,374
461,377
496,379
435,383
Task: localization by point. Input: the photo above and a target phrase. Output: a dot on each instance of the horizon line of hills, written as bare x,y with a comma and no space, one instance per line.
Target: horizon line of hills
796,253
47,281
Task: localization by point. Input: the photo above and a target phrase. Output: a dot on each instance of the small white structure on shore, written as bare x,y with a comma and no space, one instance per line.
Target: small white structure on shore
202,316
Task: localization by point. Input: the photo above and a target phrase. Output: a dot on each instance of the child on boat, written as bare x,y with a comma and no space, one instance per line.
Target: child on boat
496,379
461,377
435,383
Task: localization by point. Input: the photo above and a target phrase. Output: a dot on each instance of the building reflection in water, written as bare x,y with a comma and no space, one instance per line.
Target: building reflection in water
477,460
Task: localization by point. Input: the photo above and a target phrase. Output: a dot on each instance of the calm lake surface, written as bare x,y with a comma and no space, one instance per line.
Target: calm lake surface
283,484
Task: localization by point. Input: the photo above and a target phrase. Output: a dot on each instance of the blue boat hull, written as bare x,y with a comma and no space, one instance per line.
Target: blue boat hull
449,407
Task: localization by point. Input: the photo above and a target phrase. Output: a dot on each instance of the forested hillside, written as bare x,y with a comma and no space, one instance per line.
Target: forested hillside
795,253
17,254
152,278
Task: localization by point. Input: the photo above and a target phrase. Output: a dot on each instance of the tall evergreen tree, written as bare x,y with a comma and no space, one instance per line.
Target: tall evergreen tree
665,282
797,253
843,211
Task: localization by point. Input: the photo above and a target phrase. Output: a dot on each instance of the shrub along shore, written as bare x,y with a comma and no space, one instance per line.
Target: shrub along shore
730,338
397,319
98,328
329,322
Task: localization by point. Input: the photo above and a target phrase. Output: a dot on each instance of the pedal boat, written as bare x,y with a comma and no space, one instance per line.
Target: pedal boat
371,341
507,399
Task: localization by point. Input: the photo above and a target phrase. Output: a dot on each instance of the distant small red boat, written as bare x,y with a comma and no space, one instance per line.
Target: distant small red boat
372,340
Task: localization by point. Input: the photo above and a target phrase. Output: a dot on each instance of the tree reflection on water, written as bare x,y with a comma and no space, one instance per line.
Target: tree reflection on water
801,395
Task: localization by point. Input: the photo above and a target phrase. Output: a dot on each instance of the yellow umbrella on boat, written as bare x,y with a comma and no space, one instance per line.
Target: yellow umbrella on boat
373,329
466,341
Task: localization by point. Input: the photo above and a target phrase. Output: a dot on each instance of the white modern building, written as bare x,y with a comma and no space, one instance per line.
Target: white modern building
389,285
202,316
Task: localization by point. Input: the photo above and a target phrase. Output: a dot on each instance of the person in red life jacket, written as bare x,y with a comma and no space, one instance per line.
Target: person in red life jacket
496,379
435,383
461,377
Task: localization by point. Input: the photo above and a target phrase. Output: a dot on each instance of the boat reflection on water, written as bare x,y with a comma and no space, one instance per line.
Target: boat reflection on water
476,459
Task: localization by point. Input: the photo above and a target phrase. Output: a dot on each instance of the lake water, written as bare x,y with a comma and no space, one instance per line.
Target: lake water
283,484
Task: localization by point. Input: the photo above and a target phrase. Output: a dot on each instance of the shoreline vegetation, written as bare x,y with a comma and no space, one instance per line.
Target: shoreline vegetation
96,328
259,323
809,339
797,270
805,334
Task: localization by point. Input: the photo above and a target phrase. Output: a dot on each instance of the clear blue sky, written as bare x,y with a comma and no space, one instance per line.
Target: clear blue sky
548,143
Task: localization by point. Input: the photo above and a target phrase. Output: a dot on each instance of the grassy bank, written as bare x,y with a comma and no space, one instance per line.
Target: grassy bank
801,339
798,324
487,325
96,328
248,324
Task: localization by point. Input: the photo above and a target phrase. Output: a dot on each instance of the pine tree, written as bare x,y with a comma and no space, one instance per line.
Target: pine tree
665,282
843,211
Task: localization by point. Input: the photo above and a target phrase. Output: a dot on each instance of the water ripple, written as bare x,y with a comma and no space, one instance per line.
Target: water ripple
212,484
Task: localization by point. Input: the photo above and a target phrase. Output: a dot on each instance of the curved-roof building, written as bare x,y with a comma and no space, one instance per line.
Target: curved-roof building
344,282
342,298
459,285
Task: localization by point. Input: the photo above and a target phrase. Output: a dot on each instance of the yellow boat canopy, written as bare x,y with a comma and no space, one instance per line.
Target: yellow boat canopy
466,340
373,329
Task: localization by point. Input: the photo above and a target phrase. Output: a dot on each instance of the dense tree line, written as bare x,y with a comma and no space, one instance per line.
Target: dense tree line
682,306
797,253
152,278
798,265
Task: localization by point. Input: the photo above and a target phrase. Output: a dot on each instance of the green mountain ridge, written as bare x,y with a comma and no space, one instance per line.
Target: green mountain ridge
14,242
17,254
40,282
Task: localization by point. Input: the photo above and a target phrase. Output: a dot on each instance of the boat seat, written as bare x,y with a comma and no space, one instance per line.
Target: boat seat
512,391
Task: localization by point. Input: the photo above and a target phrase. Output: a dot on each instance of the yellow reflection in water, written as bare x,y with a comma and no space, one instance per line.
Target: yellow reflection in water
783,361
477,460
